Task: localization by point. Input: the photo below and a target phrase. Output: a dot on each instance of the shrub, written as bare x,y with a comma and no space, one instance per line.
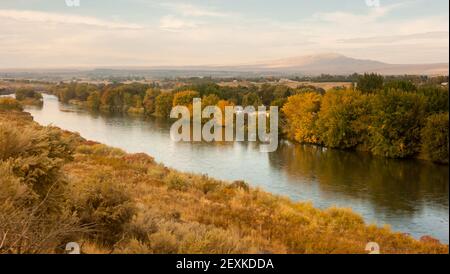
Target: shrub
175,181
33,217
435,138
37,156
100,150
7,103
240,184
104,204
27,93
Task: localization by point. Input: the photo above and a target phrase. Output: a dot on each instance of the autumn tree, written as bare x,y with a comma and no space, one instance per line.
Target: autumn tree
343,118
301,112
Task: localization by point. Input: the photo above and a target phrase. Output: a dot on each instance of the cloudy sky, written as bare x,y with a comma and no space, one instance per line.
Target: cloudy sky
51,33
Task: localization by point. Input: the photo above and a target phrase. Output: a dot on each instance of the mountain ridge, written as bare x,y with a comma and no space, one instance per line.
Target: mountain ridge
315,64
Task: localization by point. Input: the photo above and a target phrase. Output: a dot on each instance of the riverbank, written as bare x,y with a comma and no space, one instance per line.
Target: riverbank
128,203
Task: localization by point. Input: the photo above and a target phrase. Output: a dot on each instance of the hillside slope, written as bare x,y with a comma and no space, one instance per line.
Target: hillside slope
113,202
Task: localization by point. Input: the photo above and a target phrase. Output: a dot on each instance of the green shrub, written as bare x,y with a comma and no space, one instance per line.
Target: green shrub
37,155
105,205
27,93
176,181
435,138
33,217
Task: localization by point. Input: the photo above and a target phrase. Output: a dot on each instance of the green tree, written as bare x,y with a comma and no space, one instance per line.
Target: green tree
436,96
343,118
397,118
93,100
251,99
404,85
163,104
435,138
149,100
369,83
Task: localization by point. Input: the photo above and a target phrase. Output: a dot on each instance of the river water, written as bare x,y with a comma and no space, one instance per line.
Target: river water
409,195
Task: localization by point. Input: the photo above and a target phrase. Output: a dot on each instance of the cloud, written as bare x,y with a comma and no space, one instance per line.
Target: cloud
194,11
437,35
181,34
60,18
172,23
374,14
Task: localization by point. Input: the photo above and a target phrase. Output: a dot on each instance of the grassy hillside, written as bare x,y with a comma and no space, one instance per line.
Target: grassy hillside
57,187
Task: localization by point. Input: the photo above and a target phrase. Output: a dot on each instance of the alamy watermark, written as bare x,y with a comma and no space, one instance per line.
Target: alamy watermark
72,248
72,3
229,126
373,3
373,248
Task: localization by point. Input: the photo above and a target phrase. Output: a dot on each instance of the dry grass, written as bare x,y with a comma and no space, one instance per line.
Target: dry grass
143,207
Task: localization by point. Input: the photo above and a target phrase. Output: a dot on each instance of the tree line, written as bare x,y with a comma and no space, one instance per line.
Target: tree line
396,117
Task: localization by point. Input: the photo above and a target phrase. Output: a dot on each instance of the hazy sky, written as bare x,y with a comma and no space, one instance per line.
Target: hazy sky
49,33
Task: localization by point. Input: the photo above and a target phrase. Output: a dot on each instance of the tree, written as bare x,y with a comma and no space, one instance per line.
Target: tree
435,138
149,100
404,85
222,104
301,113
27,93
184,98
282,92
343,118
251,99
163,104
369,83
396,123
210,100
437,98
93,100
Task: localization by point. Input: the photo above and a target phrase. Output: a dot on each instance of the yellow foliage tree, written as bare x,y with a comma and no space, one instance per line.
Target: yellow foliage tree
185,98
301,112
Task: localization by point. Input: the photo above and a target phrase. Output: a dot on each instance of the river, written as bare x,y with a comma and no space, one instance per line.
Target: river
409,195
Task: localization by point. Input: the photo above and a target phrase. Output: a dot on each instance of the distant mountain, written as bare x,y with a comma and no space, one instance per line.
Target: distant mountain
335,64
340,64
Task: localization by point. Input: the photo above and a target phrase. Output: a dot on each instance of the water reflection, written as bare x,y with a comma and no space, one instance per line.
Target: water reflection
391,186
